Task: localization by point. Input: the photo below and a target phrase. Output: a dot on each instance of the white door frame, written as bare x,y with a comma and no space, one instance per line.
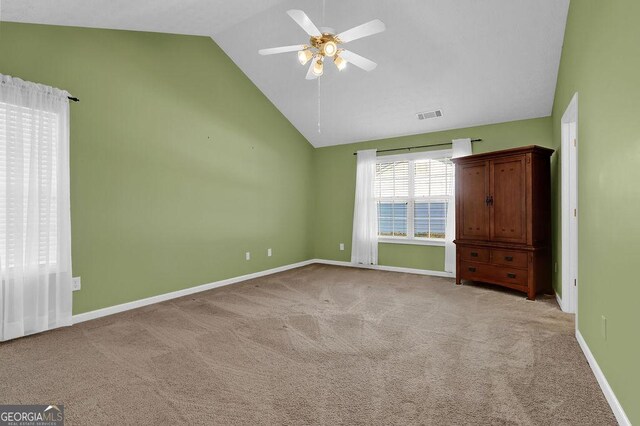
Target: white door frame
569,185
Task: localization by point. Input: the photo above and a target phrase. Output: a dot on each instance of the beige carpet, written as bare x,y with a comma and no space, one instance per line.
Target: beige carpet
316,345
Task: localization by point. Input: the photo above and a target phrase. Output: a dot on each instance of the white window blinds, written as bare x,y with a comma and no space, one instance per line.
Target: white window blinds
392,179
28,139
413,196
35,224
433,178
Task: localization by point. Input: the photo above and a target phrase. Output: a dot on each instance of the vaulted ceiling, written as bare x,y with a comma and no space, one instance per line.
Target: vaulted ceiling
481,62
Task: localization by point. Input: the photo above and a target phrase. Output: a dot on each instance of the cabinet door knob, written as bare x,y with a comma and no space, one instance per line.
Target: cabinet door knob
472,269
474,254
511,275
508,258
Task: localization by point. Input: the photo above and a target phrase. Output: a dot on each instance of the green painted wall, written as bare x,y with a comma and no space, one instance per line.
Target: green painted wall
171,184
171,181
601,61
335,171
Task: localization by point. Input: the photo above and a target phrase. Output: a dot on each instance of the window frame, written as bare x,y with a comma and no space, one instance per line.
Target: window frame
411,158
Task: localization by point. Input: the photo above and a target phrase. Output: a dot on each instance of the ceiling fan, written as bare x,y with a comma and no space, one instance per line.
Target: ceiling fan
325,44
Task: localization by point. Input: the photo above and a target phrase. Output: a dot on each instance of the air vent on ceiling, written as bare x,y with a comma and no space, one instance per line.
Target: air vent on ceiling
430,114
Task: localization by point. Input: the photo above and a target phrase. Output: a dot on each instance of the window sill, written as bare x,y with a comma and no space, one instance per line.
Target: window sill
411,241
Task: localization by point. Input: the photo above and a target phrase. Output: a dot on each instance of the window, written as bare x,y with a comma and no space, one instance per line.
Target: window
413,193
26,169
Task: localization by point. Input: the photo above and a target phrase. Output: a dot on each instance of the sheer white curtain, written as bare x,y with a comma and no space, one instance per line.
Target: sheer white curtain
461,148
364,245
35,227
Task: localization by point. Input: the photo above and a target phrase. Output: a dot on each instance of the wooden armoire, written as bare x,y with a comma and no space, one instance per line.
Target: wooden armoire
503,219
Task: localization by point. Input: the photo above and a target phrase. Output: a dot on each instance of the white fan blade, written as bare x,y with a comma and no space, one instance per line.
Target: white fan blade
358,61
303,20
283,49
370,28
310,74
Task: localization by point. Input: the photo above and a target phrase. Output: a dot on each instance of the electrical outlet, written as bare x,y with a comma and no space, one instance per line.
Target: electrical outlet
247,255
341,246
604,327
556,267
76,284
269,253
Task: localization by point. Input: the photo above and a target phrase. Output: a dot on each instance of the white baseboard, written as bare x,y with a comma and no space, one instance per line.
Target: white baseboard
179,293
86,316
621,417
387,268
559,300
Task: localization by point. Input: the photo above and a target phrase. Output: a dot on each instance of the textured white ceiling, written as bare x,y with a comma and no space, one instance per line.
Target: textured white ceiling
195,17
482,62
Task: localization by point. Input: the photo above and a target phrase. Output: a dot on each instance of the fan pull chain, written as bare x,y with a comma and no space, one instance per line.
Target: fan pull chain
323,23
319,129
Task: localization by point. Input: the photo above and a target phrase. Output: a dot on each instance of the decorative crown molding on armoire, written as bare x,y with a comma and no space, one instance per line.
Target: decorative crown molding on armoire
503,219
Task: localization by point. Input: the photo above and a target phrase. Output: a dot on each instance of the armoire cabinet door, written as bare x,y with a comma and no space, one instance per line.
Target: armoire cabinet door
509,206
472,190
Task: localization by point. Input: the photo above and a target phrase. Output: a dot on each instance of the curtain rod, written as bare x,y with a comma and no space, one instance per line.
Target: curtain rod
421,146
71,98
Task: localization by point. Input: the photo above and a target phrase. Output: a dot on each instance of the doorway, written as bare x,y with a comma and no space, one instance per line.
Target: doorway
569,185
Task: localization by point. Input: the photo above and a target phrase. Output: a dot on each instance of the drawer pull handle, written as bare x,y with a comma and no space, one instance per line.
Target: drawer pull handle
472,269
508,258
511,275
474,254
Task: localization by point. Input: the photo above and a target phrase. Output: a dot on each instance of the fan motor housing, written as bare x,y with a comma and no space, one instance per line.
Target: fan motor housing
318,42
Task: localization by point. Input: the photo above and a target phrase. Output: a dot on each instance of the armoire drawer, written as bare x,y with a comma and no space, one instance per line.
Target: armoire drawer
493,274
472,254
516,259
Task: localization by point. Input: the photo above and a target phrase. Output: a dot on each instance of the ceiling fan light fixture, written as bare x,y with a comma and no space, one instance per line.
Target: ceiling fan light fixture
325,43
318,68
340,63
304,56
329,48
